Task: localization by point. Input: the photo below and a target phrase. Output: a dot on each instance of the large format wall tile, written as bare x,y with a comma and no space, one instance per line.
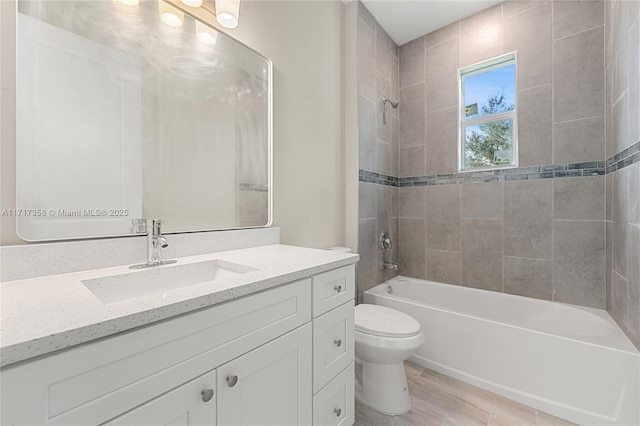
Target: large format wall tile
634,194
443,217
411,202
590,134
367,200
450,32
412,63
529,33
620,220
620,124
366,61
383,52
383,90
411,247
366,249
442,141
411,161
571,17
528,219
366,134
481,35
481,201
634,82
442,65
634,285
482,253
444,266
412,115
528,277
579,198
578,75
579,262
535,140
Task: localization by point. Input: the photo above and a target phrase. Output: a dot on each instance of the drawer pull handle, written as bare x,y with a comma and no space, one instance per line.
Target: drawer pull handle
337,342
232,380
207,394
337,411
338,288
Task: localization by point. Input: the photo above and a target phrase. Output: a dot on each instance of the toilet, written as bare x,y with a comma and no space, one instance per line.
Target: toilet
384,339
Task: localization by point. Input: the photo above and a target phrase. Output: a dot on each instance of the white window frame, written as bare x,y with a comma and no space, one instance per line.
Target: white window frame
470,71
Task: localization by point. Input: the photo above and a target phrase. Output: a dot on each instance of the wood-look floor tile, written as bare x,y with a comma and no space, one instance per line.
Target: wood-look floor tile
545,419
438,399
506,411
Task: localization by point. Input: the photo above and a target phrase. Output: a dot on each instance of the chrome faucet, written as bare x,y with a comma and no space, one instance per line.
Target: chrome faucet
390,265
155,243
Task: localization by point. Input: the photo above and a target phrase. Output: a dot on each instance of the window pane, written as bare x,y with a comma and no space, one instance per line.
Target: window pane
488,144
490,92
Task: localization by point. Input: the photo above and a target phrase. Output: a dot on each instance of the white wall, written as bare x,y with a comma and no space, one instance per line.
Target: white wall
303,39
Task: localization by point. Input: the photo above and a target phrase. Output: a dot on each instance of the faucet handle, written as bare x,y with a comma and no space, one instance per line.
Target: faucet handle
139,226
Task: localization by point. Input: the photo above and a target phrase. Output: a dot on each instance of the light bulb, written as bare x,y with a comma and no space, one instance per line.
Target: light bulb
170,15
205,34
227,12
192,3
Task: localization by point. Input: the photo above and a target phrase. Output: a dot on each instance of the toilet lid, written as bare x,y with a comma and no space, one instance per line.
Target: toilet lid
386,322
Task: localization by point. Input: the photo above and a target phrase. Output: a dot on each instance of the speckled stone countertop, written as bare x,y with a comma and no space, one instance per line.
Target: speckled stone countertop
42,315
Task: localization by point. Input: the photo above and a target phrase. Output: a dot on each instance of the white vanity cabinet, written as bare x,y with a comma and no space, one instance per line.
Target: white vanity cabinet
262,359
193,403
333,347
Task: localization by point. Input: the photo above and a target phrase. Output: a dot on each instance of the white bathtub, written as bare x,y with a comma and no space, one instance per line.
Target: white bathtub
569,361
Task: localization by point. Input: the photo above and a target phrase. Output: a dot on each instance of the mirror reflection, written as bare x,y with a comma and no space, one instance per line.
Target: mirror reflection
128,111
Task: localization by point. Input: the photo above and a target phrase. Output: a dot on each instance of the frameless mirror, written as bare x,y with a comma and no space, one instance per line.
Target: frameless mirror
129,110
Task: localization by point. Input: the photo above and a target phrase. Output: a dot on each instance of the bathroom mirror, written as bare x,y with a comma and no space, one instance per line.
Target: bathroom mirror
134,109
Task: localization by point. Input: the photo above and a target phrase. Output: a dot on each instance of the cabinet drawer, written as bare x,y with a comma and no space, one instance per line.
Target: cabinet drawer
96,382
334,405
333,345
331,289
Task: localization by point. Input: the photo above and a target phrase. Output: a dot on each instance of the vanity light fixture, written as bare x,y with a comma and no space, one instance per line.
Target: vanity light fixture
227,12
130,2
170,15
205,34
192,3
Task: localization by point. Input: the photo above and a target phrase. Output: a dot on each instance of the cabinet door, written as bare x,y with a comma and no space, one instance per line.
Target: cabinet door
193,403
270,385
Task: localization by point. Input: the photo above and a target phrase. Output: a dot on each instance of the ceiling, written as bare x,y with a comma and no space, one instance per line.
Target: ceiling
405,20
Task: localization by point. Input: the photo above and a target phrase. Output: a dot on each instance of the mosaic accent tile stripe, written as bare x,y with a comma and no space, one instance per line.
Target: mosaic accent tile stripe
623,159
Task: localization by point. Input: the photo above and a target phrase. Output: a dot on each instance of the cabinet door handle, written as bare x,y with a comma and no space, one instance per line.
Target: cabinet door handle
207,394
232,380
338,288
337,342
337,411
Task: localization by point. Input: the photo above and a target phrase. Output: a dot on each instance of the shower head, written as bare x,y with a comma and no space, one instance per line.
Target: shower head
394,105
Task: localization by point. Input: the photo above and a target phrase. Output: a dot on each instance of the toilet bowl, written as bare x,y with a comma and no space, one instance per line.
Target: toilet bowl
384,338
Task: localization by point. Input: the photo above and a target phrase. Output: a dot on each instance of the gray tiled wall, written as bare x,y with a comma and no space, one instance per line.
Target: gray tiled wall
540,238
378,76
623,186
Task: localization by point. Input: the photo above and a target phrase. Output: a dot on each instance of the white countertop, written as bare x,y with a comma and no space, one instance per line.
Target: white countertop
46,314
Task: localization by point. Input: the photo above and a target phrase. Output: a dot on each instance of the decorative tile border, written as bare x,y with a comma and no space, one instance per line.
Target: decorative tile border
623,159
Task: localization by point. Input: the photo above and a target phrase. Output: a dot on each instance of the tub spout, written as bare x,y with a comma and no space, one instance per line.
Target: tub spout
390,265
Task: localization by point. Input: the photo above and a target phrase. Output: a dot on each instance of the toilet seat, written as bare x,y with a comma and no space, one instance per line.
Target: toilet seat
381,321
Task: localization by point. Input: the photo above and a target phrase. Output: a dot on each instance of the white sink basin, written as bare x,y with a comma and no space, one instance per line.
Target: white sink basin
159,279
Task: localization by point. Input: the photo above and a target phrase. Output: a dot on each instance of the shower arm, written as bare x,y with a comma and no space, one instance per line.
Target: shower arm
394,105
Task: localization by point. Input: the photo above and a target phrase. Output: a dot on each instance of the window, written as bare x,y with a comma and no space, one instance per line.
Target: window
488,116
